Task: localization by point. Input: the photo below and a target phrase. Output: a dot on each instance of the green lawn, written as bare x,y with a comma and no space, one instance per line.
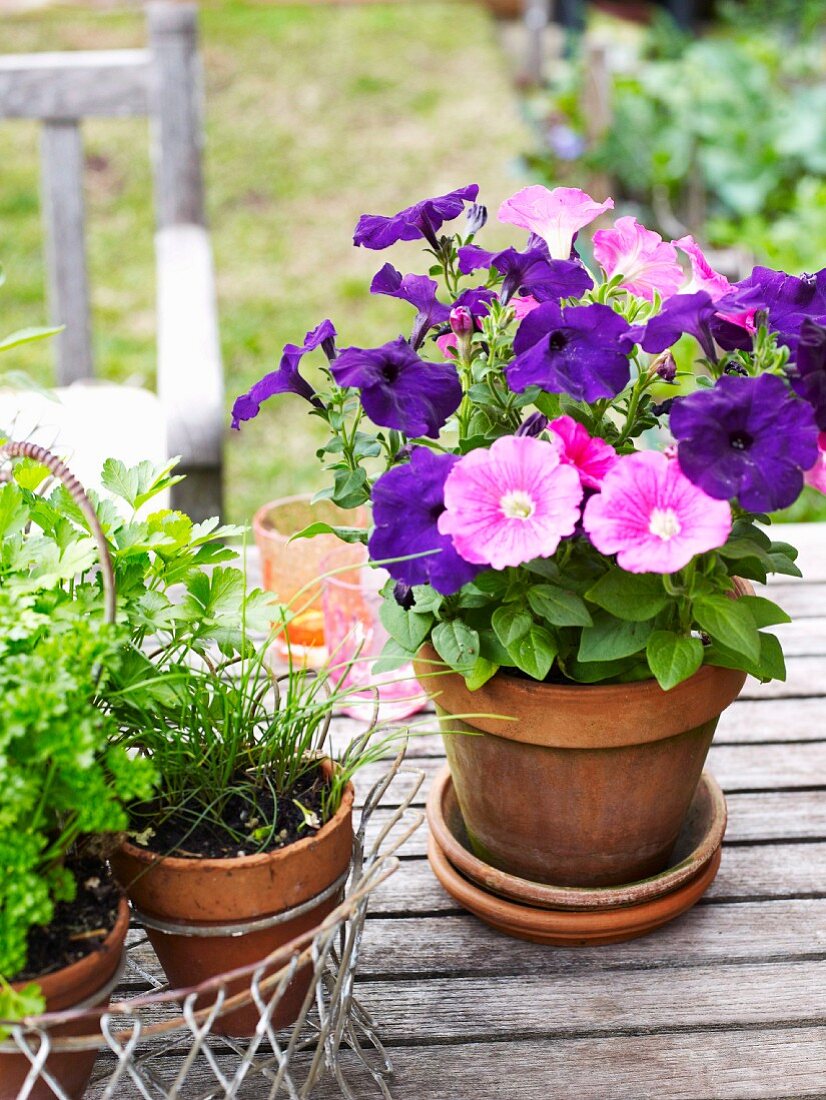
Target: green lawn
314,115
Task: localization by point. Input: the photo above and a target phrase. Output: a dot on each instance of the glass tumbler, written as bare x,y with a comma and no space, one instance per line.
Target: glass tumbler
292,570
355,639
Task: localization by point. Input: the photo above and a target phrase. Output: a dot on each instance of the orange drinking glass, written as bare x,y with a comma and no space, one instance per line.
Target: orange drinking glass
292,570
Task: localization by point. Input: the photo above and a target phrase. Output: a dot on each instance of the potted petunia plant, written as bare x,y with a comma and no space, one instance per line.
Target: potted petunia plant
571,467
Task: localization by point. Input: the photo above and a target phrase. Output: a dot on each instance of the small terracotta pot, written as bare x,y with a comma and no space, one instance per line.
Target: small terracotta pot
576,785
65,989
204,893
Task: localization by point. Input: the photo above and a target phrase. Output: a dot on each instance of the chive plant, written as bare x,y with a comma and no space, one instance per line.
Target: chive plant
237,733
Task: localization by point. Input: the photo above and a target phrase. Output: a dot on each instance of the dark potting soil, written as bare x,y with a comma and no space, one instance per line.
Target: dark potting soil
78,927
182,835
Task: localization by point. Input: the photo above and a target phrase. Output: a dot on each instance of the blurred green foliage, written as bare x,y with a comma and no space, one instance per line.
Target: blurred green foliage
724,136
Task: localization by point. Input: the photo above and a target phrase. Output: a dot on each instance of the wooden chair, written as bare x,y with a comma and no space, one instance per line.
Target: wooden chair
163,82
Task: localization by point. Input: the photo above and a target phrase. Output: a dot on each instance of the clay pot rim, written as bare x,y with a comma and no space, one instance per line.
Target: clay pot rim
573,713
534,894
268,533
563,926
260,527
78,973
183,865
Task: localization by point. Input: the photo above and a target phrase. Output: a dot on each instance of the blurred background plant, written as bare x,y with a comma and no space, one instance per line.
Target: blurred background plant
723,137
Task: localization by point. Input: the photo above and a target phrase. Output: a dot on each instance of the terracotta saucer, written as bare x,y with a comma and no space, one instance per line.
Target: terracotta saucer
566,927
698,844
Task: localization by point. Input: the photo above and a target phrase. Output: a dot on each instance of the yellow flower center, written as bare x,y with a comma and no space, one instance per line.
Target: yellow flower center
517,505
664,523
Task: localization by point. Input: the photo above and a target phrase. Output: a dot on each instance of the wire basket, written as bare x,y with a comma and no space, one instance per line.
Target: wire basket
159,1044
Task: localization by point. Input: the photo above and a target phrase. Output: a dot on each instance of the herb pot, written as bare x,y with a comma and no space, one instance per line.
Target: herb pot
197,912
85,984
576,785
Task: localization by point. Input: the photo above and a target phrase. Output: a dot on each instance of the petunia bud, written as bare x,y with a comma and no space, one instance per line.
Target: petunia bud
328,346
477,216
663,407
461,321
533,425
403,595
734,366
665,366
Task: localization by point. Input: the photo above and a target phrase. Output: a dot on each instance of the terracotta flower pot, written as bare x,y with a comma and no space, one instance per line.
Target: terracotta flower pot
83,983
577,785
206,894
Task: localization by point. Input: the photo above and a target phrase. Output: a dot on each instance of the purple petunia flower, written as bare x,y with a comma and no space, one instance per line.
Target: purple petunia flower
286,379
476,300
419,291
579,350
748,439
472,257
546,280
398,389
407,503
809,370
691,313
424,219
788,299
530,272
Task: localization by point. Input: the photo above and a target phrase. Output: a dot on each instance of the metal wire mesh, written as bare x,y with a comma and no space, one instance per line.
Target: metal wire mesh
159,1045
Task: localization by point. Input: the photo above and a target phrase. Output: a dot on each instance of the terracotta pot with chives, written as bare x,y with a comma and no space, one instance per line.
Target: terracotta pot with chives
206,917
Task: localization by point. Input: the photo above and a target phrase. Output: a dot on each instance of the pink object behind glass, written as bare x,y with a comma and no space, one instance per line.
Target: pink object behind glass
354,633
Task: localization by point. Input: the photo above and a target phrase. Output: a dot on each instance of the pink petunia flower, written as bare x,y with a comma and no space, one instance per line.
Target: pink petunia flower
816,477
448,345
524,305
704,277
646,262
511,503
591,457
555,216
652,517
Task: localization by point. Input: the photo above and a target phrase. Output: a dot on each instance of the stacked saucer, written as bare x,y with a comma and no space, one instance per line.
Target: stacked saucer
574,916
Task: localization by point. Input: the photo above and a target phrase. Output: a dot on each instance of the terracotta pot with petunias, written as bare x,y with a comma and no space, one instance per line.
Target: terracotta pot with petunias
571,510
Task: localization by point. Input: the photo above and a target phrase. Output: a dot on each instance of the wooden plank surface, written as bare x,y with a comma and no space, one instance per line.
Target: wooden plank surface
700,1008
710,1064
726,1003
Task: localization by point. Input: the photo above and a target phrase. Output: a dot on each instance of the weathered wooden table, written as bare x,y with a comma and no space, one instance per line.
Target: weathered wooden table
729,1001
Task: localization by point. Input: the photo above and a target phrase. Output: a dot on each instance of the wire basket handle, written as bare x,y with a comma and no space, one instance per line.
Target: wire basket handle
62,472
